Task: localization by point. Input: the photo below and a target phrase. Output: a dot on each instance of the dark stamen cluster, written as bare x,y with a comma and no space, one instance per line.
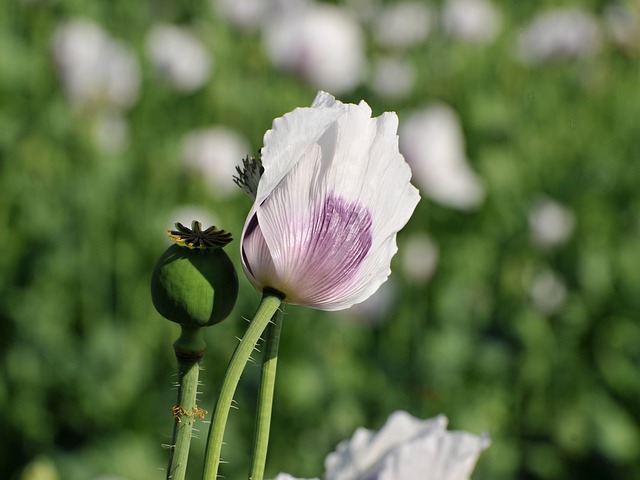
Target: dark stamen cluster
195,237
249,175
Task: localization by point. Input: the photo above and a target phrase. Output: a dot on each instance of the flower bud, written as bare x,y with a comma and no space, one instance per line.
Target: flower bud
194,282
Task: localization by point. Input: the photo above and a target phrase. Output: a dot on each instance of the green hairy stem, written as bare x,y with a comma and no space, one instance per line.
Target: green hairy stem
268,306
265,398
189,350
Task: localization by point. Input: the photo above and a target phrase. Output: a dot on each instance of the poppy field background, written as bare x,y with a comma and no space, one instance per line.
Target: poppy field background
537,344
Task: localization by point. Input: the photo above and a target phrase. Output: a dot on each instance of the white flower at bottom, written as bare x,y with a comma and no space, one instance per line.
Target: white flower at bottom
406,448
334,193
286,476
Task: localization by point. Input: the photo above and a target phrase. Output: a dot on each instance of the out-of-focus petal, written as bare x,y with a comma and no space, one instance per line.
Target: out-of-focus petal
559,34
550,223
402,25
393,77
179,57
419,258
319,42
214,153
474,21
95,69
433,143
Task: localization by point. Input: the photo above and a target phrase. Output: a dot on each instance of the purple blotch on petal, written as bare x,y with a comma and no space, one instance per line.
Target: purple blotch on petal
253,224
339,241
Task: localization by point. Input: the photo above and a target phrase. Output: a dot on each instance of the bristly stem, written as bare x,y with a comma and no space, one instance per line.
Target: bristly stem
265,398
189,350
268,306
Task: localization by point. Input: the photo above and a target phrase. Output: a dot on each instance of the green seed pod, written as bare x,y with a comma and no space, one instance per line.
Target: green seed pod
194,282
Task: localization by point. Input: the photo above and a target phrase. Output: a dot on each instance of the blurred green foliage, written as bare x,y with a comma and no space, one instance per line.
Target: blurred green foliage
86,380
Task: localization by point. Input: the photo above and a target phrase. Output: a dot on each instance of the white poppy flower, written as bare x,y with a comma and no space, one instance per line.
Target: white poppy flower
622,22
179,56
376,309
95,69
402,25
334,193
550,223
393,77
420,257
548,291
560,33
244,14
319,42
432,141
214,153
474,21
406,448
111,131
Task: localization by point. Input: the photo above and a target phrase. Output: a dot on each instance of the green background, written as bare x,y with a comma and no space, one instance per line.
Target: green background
86,365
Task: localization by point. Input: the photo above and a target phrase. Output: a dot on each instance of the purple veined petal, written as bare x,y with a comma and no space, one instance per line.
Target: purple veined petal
334,194
308,247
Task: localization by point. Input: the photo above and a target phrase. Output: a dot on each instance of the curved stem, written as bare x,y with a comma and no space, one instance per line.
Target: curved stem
265,398
268,306
189,350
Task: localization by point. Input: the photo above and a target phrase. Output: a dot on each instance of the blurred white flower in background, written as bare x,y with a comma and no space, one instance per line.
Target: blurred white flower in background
420,256
111,131
402,25
375,309
393,77
321,43
364,10
431,140
405,448
243,14
547,291
214,153
559,33
550,223
95,69
623,24
286,476
179,57
474,21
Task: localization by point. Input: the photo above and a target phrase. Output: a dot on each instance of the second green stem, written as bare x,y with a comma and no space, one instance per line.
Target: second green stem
268,306
265,398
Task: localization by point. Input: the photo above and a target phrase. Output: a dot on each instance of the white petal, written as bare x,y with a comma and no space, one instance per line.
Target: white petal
366,450
333,196
406,448
286,476
290,135
448,456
